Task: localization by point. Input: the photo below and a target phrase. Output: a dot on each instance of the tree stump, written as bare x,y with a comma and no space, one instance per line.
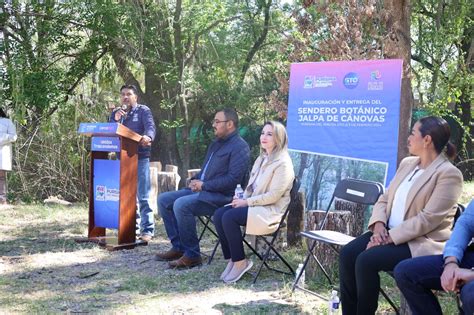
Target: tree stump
168,180
171,168
162,182
193,172
344,221
295,222
155,167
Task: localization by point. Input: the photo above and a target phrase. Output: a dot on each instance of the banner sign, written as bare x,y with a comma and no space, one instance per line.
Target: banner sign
107,144
98,128
346,109
106,193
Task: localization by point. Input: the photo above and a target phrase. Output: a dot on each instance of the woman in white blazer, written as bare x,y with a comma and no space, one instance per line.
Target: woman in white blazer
265,200
7,136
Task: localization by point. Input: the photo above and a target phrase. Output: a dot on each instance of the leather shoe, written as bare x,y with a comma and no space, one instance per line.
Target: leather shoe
185,262
169,255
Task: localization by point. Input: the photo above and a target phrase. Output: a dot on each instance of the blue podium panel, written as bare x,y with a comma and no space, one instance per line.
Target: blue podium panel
106,193
107,144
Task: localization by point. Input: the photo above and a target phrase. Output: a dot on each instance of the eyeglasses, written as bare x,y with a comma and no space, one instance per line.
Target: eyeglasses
217,121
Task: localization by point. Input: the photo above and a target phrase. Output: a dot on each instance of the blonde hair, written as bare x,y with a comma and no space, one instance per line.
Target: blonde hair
280,136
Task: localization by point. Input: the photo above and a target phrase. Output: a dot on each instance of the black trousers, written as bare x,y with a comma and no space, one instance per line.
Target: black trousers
359,273
228,221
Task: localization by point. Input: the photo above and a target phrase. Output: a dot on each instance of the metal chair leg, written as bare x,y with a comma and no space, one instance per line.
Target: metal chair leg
392,304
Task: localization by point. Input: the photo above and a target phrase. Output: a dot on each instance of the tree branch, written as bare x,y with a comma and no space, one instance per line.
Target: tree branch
123,70
71,88
258,43
422,61
194,43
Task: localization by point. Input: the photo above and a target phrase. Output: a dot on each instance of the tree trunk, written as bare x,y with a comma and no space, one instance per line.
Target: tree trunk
397,45
349,220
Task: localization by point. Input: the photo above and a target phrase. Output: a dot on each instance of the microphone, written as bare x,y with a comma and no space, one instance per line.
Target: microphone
124,107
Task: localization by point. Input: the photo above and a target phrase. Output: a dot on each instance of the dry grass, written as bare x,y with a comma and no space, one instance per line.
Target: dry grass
43,270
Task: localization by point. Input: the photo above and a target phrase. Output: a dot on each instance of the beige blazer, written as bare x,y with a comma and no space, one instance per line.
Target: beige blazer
430,207
271,196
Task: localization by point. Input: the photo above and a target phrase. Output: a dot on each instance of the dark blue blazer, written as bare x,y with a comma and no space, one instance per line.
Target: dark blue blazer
227,168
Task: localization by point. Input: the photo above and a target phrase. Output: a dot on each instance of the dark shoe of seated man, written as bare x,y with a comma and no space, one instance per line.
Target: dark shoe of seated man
169,255
185,262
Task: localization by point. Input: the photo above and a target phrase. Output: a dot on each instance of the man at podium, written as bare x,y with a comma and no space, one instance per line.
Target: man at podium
138,118
224,167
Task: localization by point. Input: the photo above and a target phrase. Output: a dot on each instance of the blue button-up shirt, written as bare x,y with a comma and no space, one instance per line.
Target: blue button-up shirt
462,235
140,120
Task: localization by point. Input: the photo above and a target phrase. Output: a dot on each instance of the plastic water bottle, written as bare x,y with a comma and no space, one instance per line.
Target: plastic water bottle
239,192
334,303
301,279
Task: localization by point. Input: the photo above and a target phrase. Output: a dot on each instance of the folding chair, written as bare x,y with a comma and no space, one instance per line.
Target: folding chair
270,244
206,221
354,190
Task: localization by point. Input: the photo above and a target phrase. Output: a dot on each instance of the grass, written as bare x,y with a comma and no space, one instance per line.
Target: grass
43,270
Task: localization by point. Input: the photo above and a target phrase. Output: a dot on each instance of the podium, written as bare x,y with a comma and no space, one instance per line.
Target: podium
112,184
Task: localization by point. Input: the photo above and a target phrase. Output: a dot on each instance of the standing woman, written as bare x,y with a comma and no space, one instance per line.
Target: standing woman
412,218
7,136
265,200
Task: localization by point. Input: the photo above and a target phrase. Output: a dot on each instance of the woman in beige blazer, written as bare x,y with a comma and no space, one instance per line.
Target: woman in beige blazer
412,218
265,200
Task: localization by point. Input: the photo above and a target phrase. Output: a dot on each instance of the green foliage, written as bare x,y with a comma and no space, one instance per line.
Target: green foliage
54,160
441,51
49,47
189,59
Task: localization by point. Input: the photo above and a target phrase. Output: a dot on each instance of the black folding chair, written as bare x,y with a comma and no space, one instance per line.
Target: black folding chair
353,190
273,236
206,221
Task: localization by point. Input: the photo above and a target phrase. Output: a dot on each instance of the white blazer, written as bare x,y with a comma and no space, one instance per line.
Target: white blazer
7,136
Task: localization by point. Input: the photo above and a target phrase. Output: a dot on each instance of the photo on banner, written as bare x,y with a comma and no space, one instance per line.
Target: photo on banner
343,120
319,174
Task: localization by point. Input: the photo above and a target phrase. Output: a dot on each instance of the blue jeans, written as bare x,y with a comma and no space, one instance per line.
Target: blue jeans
178,210
418,276
145,214
228,221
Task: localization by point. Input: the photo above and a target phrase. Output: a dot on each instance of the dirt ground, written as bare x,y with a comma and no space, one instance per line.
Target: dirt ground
42,270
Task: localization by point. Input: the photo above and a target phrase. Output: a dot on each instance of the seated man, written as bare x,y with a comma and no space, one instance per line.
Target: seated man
453,271
224,167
